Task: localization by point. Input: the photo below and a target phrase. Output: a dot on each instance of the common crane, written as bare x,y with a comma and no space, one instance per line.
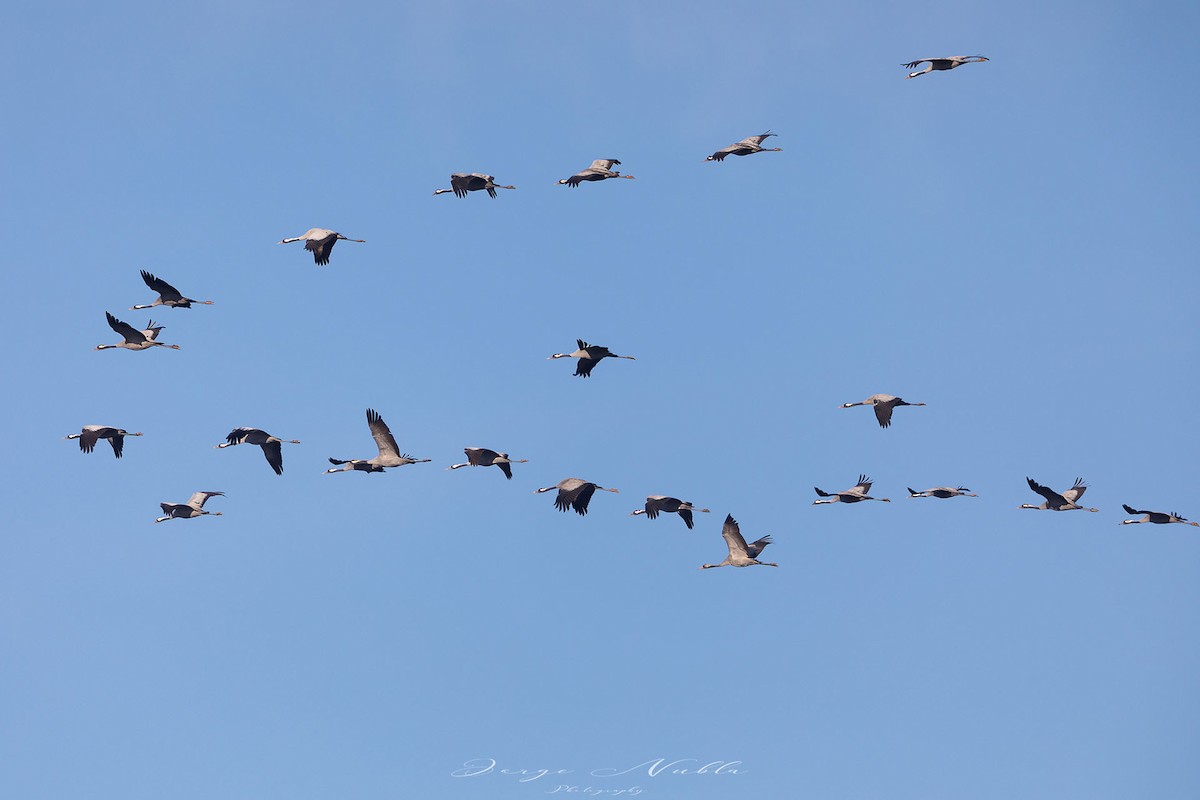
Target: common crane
134,339
573,493
601,169
883,403
740,553
657,503
93,433
192,508
751,144
462,182
1157,517
389,452
854,494
168,295
589,355
272,446
938,64
320,242
482,457
1056,501
943,492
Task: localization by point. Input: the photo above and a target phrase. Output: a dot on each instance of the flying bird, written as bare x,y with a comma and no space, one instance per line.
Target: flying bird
657,503
482,457
601,169
389,452
573,493
854,494
740,553
93,433
884,403
168,295
943,492
589,355
272,446
938,64
134,339
461,183
1157,517
1056,501
319,242
192,508
751,144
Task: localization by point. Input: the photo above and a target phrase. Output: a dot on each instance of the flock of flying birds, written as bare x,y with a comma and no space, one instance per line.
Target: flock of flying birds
572,493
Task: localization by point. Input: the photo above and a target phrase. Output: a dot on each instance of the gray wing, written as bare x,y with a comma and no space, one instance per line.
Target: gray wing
883,413
756,547
756,141
132,335
1046,492
733,537
1076,491
165,290
862,487
382,435
197,500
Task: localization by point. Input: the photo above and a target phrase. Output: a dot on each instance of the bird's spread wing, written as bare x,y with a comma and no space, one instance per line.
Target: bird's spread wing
274,453
733,537
1046,492
506,468
238,435
164,289
382,434
460,183
197,499
584,367
687,517
118,443
883,413
863,486
604,164
1076,491
756,141
581,497
913,64
320,248
1129,510
87,439
132,335
754,548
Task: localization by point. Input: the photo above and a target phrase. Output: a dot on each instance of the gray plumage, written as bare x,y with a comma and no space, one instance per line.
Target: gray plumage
943,63
943,492
661,504
462,182
573,493
194,507
389,452
884,404
134,339
601,169
482,457
855,494
1155,517
589,356
319,242
740,553
747,146
93,433
168,295
1056,501
272,446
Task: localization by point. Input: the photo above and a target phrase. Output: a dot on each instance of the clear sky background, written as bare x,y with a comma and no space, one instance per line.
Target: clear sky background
1012,243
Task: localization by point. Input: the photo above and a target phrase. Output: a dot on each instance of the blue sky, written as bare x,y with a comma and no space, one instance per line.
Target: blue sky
1010,243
